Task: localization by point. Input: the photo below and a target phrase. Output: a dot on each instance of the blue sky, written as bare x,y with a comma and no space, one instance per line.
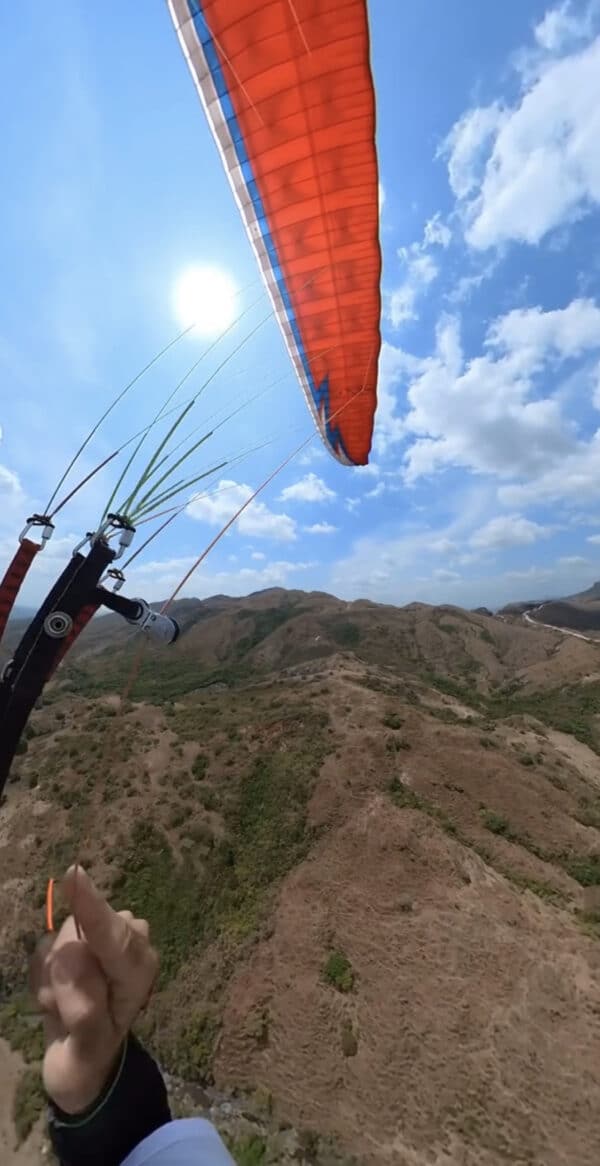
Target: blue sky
485,476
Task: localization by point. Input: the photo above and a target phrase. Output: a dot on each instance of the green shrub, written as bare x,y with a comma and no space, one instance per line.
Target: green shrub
28,1103
194,1048
178,816
585,870
200,766
20,1026
156,887
496,823
589,814
344,632
392,721
349,1041
201,833
402,795
249,1150
338,972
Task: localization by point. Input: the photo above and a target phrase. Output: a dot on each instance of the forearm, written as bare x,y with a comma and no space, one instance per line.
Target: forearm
133,1105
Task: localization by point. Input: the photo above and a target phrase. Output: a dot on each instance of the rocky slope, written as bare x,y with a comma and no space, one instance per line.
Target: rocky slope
368,842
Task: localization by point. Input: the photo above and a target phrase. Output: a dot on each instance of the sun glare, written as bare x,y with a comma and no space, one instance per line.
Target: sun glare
206,297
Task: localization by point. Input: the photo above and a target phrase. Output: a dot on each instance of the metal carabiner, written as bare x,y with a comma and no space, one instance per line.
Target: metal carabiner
89,537
39,520
117,575
112,522
118,522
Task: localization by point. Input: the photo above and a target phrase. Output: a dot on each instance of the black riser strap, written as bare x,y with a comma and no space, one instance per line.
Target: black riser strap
31,668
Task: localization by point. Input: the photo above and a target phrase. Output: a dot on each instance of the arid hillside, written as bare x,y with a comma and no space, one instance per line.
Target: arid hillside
368,843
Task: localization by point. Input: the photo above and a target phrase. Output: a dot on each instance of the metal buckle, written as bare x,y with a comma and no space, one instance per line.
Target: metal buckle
112,522
39,520
116,574
89,537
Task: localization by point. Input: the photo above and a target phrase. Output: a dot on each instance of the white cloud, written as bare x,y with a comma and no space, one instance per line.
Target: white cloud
310,488
257,521
396,571
533,574
534,333
596,387
446,576
421,270
258,556
441,546
572,561
371,470
519,172
313,453
594,538
320,528
437,233
463,287
395,366
572,477
488,415
48,565
509,530
10,486
561,27
466,145
156,580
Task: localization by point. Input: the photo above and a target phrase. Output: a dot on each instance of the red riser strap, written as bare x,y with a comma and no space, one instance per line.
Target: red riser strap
79,623
14,577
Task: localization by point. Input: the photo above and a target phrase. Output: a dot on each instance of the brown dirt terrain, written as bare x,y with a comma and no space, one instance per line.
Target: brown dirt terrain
368,842
29,1153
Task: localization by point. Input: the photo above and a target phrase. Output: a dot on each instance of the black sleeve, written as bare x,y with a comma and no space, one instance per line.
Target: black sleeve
133,1104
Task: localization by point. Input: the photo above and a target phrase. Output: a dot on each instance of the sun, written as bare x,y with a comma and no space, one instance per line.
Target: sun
206,297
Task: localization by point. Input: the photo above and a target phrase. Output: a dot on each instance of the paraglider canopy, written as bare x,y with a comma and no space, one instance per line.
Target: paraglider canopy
286,86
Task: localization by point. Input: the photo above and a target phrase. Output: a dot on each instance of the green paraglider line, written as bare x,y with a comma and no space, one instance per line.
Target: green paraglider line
177,489
161,411
106,414
138,376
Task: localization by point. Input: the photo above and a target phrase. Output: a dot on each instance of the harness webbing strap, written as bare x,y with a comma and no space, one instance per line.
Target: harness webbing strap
14,577
79,623
42,645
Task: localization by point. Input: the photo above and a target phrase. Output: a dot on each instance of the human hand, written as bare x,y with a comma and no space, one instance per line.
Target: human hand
90,990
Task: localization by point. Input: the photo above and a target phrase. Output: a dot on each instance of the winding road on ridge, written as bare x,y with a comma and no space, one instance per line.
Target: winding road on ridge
552,627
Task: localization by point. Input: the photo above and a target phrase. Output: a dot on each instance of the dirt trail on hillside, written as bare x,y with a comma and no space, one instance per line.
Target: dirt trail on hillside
581,757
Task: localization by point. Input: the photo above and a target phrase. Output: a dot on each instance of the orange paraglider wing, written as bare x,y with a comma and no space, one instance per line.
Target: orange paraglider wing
287,89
